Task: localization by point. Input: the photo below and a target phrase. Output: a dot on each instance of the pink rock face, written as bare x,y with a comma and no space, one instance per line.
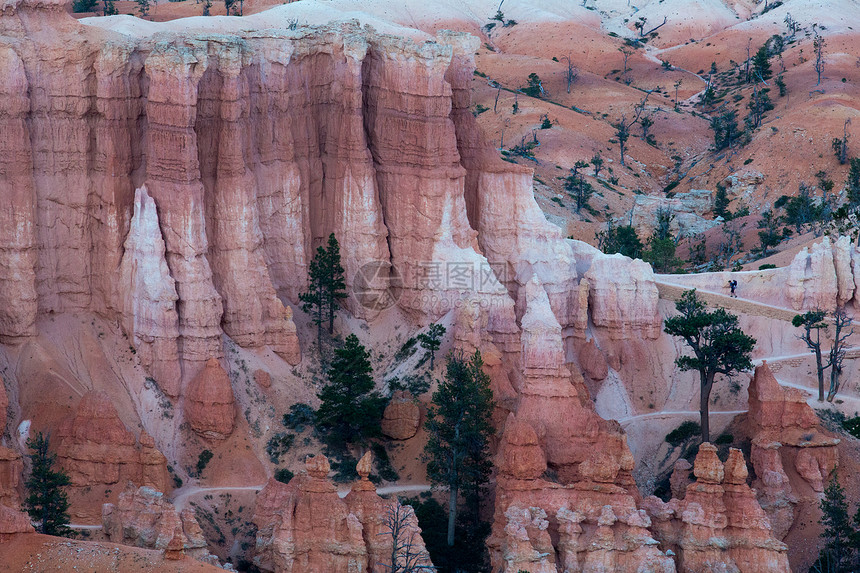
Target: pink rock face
777,410
812,280
306,526
143,518
520,454
4,406
146,296
401,417
13,521
95,449
680,478
263,379
622,296
719,525
210,406
11,469
593,362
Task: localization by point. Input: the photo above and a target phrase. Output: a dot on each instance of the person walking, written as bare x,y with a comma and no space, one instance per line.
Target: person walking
733,284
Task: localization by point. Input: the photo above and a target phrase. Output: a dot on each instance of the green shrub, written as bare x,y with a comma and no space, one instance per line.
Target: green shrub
683,433
278,445
79,6
852,426
725,439
407,350
203,460
383,464
283,475
299,417
766,266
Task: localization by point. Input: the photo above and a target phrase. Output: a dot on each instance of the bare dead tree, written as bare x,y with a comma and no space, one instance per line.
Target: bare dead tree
640,25
843,329
622,127
818,43
625,53
572,72
749,59
407,555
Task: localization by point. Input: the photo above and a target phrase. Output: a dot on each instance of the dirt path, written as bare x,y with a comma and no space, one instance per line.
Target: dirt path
677,413
673,292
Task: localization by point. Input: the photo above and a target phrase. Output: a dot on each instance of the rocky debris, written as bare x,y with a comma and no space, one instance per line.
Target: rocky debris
143,518
96,449
785,430
11,470
210,405
719,525
263,379
13,521
688,210
743,184
146,296
402,416
305,526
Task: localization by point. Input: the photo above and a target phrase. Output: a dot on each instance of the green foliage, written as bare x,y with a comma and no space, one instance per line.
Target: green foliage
79,6
545,122
203,460
143,7
407,350
759,104
383,463
761,63
621,239
299,417
597,163
414,384
683,433
839,533
724,439
780,83
721,203
278,445
534,87
852,184
766,267
661,254
326,285
576,185
283,475
801,209
718,345
469,553
725,128
852,426
770,234
46,501
431,340
350,410
459,427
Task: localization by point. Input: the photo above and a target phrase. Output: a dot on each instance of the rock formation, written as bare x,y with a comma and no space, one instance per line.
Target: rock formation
622,296
11,469
13,521
210,407
401,417
96,449
306,526
825,276
785,432
719,525
143,518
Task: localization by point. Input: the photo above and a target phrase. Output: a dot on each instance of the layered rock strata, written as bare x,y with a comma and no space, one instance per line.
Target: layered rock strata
786,433
143,518
96,449
210,406
719,525
305,526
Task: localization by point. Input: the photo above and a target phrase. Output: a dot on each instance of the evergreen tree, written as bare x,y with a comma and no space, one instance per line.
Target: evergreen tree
853,183
350,410
725,127
326,288
801,209
46,501
838,554
719,346
110,8
431,340
576,185
721,203
459,426
761,65
623,239
661,244
814,320
770,236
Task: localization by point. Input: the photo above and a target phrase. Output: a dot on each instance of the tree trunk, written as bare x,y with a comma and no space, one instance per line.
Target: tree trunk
820,374
704,405
452,513
432,358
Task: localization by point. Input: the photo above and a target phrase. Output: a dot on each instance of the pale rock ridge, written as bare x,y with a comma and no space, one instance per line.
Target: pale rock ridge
146,296
719,525
142,517
209,402
622,296
785,430
96,450
825,277
305,526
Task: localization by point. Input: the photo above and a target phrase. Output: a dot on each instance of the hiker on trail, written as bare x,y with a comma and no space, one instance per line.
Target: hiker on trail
733,284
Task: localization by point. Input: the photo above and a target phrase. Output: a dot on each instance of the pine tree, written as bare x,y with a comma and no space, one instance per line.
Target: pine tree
719,346
459,426
326,288
47,502
853,183
838,533
721,203
761,65
350,410
769,236
431,340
